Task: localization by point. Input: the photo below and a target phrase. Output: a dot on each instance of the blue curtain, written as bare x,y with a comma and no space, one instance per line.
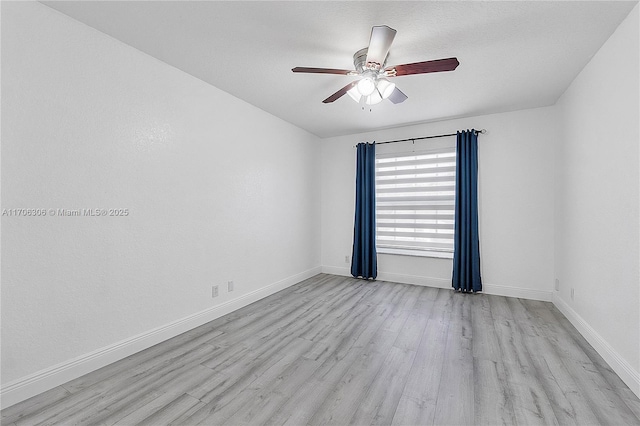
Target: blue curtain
363,258
466,247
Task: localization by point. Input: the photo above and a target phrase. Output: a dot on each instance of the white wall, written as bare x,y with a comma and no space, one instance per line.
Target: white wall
516,203
598,202
216,189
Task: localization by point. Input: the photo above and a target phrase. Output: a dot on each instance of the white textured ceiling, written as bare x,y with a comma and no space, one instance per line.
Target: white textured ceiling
513,55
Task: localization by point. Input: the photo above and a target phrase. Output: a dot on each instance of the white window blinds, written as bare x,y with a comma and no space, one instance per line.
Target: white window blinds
415,200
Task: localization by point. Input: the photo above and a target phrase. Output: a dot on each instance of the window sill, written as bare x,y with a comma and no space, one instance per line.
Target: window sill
418,253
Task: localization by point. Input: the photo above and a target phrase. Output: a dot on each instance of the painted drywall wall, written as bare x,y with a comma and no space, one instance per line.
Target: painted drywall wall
597,200
516,162
215,190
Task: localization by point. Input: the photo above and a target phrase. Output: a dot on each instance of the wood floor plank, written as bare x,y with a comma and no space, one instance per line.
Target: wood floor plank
174,411
590,380
381,399
567,399
455,401
269,321
530,402
492,398
418,400
306,317
339,311
276,306
485,340
115,403
125,385
352,343
142,412
410,335
607,407
493,403
142,362
398,317
34,405
634,405
124,407
242,373
227,407
215,411
338,350
259,401
555,317
350,392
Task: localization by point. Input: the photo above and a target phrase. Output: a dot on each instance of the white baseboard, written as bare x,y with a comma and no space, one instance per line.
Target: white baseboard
498,290
414,279
337,270
41,381
623,369
392,277
519,292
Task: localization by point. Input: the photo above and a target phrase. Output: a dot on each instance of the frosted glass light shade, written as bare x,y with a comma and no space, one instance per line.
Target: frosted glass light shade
373,98
366,86
386,88
355,95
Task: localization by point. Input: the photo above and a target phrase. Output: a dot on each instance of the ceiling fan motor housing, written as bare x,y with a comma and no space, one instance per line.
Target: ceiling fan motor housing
360,62
372,70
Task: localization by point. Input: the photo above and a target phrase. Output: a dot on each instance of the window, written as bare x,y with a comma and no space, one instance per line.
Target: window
415,202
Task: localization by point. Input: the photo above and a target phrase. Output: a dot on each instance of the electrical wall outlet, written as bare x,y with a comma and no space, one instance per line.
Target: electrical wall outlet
557,284
229,285
572,293
214,291
346,259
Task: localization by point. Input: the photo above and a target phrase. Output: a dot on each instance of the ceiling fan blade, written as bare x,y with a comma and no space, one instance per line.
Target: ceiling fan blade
322,70
437,65
397,96
379,44
340,93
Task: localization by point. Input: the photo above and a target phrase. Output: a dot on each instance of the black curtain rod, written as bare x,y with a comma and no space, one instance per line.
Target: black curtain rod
483,131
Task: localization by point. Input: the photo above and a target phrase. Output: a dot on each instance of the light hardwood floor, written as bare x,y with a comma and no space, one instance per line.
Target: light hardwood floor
335,350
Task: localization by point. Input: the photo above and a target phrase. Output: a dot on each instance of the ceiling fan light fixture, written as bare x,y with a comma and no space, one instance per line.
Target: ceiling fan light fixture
385,87
370,64
366,86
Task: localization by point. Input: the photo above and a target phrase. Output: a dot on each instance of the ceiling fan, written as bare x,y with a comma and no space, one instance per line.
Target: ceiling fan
373,85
